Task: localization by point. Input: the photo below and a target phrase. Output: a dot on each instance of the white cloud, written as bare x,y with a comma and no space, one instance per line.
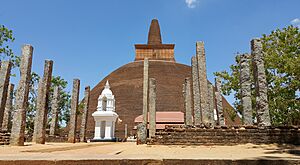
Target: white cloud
296,22
191,3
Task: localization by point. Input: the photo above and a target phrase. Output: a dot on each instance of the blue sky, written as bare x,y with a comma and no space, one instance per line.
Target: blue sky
89,39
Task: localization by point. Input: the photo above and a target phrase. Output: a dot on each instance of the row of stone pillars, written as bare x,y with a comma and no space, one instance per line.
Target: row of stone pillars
21,102
260,83
149,105
206,98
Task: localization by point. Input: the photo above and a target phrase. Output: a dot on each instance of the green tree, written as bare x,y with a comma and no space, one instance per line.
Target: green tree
282,60
6,53
32,102
64,100
281,51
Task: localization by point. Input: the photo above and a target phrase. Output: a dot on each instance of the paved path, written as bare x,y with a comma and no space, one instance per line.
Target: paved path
129,150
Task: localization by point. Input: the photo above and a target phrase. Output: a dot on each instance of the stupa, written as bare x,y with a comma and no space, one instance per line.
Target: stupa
127,84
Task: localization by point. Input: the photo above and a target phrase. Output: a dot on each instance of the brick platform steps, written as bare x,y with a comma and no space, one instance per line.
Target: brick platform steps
180,135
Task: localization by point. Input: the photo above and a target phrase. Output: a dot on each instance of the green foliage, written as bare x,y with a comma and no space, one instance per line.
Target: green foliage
80,108
281,51
32,102
231,113
6,53
282,60
230,83
64,100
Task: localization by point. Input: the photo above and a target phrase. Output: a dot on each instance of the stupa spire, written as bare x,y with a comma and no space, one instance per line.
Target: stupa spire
107,85
154,49
154,36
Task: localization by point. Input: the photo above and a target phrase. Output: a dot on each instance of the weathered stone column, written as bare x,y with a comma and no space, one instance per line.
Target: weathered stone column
141,133
55,110
152,107
142,127
145,91
19,118
200,53
245,83
188,116
40,122
211,103
196,92
218,94
4,81
8,108
261,87
125,131
73,114
84,114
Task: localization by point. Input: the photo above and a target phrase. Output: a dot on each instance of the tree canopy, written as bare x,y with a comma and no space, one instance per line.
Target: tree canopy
281,50
6,53
6,38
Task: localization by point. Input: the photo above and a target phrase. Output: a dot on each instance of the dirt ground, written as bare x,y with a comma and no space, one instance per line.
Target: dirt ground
129,150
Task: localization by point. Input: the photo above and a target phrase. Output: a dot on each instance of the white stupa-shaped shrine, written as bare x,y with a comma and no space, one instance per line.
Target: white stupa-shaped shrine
105,116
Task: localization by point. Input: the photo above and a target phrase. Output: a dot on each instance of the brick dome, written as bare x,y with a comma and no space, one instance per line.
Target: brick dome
127,85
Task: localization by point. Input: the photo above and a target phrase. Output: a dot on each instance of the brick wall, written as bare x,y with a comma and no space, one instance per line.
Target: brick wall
176,135
155,54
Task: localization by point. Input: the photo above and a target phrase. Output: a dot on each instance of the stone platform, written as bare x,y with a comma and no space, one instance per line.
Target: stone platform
182,135
130,153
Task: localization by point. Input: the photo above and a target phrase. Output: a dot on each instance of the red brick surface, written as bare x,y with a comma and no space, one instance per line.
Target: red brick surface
127,86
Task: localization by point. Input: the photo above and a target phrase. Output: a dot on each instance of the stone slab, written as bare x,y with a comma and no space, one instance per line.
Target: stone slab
245,83
74,109
41,115
152,107
5,70
84,114
19,118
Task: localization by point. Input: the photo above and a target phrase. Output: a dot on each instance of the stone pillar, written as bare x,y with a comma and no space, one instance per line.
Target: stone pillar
145,91
142,128
211,103
196,92
4,81
261,86
55,110
40,123
85,114
152,107
125,132
245,83
219,103
141,133
200,53
19,118
73,114
8,108
188,116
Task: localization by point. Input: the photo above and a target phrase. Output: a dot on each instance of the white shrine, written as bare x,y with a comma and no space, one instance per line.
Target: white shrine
105,116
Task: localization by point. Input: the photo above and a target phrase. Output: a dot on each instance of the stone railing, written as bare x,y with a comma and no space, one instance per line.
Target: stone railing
180,135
